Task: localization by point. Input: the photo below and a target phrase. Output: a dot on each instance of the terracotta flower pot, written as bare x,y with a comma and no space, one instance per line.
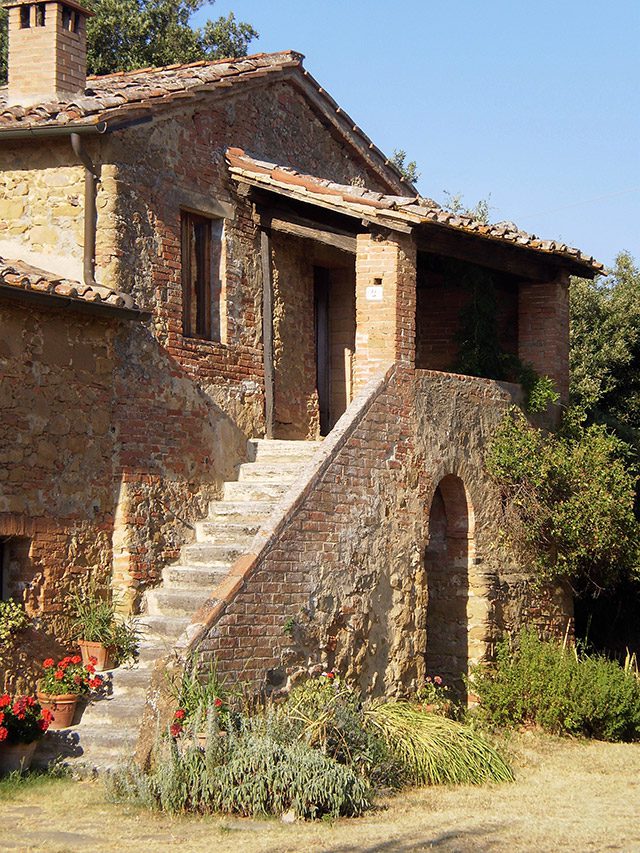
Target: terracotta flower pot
16,756
105,655
62,707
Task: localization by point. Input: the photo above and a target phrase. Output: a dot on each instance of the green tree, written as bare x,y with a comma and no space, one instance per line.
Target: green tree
456,204
569,501
409,171
128,34
605,349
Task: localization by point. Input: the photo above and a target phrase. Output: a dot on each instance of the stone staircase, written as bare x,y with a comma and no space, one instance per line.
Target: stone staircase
109,727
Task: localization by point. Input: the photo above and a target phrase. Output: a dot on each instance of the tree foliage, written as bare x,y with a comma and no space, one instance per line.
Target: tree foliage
129,34
408,170
455,204
605,348
569,501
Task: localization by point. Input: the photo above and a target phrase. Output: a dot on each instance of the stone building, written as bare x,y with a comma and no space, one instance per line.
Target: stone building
228,337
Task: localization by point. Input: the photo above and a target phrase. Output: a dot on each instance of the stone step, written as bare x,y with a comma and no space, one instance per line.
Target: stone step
254,491
204,553
262,449
239,512
116,711
226,531
176,601
100,746
126,681
198,576
160,630
276,470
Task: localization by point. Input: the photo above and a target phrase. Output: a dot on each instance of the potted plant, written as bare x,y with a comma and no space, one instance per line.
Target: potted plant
23,721
62,685
101,632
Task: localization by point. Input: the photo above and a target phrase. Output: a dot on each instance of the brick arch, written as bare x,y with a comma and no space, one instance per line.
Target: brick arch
449,560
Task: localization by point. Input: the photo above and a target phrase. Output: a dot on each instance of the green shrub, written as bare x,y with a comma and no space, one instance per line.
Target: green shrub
569,501
436,750
563,692
249,774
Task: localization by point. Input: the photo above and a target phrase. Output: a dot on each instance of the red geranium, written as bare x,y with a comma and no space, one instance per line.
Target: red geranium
48,663
180,714
69,677
5,700
23,721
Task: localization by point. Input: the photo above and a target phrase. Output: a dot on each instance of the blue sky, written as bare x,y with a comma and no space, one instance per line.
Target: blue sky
536,104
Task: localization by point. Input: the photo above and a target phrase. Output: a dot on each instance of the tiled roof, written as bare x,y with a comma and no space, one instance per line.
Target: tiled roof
130,94
127,94
21,276
388,209
113,100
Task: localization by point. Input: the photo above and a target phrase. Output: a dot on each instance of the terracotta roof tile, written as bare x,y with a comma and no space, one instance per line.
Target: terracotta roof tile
21,276
380,207
109,95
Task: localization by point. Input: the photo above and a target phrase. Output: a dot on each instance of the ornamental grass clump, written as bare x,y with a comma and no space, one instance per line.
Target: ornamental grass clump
435,750
320,752
546,684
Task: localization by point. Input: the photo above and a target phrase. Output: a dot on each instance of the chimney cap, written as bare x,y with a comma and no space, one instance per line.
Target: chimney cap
73,4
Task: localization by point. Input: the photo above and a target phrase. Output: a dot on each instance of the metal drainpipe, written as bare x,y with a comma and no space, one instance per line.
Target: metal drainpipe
90,210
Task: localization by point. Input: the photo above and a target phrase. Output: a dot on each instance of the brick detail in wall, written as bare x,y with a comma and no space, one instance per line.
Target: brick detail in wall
348,563
385,320
544,330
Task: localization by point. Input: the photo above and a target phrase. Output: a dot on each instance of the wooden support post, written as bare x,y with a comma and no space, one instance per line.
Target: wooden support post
267,333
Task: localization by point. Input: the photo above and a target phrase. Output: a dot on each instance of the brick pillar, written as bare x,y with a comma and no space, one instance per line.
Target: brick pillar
385,304
543,337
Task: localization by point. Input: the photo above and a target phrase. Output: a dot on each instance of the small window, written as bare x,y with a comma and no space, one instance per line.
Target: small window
70,19
41,14
25,17
201,276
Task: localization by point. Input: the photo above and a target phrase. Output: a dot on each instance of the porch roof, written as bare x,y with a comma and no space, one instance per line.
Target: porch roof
399,212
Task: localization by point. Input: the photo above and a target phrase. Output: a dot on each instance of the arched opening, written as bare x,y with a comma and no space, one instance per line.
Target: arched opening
447,559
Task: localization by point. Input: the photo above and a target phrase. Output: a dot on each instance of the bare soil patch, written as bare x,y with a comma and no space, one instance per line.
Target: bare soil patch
569,795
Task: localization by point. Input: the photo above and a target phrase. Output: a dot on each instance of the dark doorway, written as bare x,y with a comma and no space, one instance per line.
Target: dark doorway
447,570
321,290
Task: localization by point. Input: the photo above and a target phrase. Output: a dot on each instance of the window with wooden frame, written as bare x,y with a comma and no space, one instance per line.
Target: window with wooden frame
201,276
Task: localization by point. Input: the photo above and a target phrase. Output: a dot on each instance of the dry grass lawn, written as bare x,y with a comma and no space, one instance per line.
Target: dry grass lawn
569,795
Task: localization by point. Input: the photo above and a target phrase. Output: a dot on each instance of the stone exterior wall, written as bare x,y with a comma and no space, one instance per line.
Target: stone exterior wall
42,206
105,443
348,570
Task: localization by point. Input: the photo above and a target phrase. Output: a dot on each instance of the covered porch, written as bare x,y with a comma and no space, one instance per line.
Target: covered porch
354,281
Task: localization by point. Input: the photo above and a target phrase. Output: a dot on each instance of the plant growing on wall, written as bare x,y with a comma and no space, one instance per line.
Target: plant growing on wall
568,501
13,620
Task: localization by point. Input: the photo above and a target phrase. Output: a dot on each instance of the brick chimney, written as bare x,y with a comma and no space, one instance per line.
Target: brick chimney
47,51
